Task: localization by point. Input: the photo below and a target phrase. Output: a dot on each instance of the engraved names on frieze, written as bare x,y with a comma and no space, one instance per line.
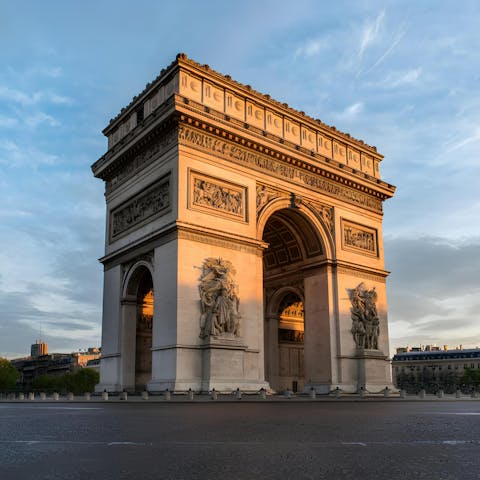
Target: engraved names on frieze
359,238
149,203
216,195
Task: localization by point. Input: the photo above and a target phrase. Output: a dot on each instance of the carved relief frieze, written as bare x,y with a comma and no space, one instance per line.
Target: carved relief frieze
359,238
218,196
265,194
142,159
326,212
264,163
145,206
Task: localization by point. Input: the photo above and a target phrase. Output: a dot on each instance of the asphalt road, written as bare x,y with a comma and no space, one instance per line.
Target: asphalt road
362,440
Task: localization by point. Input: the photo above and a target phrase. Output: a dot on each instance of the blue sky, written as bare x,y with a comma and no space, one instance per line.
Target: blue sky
404,76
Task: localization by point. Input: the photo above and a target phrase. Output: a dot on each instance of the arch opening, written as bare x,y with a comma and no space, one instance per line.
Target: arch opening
294,247
143,338
140,292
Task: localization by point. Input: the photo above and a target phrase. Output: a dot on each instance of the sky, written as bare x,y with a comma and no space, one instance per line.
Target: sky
404,76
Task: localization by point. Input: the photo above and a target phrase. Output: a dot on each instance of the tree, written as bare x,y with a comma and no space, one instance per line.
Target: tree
8,375
471,378
83,380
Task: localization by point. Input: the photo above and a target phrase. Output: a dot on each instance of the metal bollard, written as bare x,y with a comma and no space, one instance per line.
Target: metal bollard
313,393
70,396
263,394
440,393
168,395
238,394
55,396
190,394
43,396
214,395
362,392
338,392
31,396
87,396
105,395
144,395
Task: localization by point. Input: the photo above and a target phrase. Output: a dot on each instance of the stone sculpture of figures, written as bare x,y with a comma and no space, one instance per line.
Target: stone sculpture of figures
219,299
365,322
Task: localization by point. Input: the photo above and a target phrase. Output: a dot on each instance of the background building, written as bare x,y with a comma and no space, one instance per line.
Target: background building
43,363
433,368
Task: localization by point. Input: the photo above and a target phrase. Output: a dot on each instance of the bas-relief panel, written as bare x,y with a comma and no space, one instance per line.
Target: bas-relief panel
152,202
359,238
217,196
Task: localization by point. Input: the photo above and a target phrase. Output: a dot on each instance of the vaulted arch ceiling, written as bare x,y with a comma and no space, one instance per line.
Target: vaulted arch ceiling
291,238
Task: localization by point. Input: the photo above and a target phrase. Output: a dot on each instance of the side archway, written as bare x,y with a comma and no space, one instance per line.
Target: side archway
137,315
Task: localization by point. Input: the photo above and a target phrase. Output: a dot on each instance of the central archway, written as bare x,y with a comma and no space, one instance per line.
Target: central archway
295,252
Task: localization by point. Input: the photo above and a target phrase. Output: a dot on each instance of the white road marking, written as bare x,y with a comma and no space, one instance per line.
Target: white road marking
246,443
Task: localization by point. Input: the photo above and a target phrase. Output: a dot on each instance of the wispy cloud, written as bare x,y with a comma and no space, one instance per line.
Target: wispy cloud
351,111
12,155
370,33
7,122
473,137
38,118
310,48
397,79
17,96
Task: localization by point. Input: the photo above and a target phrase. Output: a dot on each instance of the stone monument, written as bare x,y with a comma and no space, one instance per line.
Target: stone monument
243,244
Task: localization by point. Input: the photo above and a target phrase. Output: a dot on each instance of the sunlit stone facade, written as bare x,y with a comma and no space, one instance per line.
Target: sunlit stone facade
257,231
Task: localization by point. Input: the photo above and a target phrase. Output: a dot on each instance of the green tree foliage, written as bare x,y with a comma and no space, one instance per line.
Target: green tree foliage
8,375
49,383
471,378
83,380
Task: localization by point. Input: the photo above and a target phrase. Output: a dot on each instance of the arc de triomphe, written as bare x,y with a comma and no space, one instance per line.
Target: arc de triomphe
243,244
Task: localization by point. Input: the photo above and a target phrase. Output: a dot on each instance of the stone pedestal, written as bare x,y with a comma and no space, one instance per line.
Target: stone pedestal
225,366
374,371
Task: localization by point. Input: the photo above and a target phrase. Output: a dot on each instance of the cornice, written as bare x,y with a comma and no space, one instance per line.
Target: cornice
139,138
356,270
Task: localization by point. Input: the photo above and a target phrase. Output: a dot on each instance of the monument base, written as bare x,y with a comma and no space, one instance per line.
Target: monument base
374,371
227,365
